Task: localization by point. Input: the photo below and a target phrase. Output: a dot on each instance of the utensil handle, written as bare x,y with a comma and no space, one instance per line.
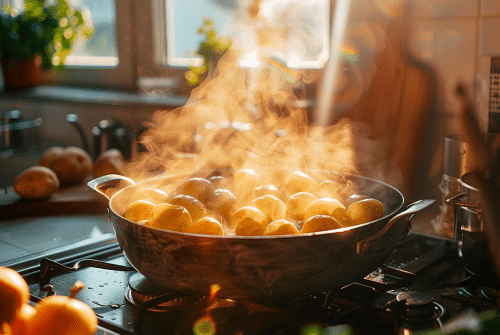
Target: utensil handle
102,184
384,240
455,200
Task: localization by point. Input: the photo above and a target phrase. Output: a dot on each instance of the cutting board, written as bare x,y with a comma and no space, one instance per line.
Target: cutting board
71,199
396,114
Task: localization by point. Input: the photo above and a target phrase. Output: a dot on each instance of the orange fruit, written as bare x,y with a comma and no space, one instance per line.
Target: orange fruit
14,293
62,315
5,329
20,324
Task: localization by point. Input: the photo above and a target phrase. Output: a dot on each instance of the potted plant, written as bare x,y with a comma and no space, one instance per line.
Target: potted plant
38,38
211,49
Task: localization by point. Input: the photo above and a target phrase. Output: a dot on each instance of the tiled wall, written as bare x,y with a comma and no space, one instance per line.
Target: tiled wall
459,39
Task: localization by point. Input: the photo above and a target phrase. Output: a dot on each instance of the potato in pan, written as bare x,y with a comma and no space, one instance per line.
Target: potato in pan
253,215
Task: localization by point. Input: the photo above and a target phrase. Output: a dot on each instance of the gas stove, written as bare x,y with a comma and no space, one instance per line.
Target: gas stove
421,288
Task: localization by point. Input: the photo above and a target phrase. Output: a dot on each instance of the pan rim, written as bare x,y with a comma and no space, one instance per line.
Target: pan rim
239,237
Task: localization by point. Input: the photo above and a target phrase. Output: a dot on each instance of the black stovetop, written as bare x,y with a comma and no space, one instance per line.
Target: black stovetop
420,287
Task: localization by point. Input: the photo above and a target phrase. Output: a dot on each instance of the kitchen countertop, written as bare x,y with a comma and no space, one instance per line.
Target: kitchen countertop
80,95
31,236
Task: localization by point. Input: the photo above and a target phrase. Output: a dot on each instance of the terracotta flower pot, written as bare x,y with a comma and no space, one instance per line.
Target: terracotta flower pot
21,74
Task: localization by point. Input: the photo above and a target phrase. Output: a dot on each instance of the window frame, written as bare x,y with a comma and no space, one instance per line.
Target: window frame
142,47
123,76
142,53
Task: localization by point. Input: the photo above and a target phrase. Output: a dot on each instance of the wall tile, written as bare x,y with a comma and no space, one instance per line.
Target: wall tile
489,38
445,8
483,91
449,47
490,7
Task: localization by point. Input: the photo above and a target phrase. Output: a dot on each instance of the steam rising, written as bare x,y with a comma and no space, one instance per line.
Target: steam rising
248,117
226,124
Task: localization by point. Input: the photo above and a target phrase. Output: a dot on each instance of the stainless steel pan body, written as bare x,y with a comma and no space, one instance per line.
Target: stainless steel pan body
262,267
472,241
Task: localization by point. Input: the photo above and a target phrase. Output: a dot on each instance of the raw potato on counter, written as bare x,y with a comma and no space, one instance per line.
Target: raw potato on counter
36,182
199,207
71,164
54,315
59,166
109,162
49,156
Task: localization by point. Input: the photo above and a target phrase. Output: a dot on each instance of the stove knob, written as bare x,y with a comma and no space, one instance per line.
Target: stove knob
415,305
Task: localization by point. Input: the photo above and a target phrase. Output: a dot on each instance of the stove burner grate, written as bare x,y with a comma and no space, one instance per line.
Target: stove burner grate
417,306
142,290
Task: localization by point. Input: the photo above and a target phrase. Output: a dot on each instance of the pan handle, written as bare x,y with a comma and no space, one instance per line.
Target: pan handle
104,184
383,240
455,200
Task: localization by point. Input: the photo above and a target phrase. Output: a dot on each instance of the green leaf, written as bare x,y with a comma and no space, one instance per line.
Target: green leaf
37,30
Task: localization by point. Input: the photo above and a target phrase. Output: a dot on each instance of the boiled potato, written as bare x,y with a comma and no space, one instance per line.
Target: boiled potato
267,190
109,162
323,206
219,181
354,198
199,188
49,155
299,181
320,223
365,210
248,221
206,226
154,195
195,207
139,210
250,227
271,206
281,227
297,204
36,182
244,182
170,217
329,189
340,214
72,165
223,201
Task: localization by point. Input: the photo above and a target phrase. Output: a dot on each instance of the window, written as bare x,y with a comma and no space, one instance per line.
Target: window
101,49
305,23
137,39
108,59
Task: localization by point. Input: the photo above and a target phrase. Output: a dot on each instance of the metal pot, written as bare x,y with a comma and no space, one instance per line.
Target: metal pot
472,242
259,267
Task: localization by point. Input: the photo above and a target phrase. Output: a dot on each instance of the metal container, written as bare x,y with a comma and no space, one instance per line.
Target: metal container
455,165
18,135
260,267
455,156
471,240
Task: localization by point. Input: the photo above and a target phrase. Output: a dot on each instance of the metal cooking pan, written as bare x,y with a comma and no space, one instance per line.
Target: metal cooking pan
260,267
471,239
